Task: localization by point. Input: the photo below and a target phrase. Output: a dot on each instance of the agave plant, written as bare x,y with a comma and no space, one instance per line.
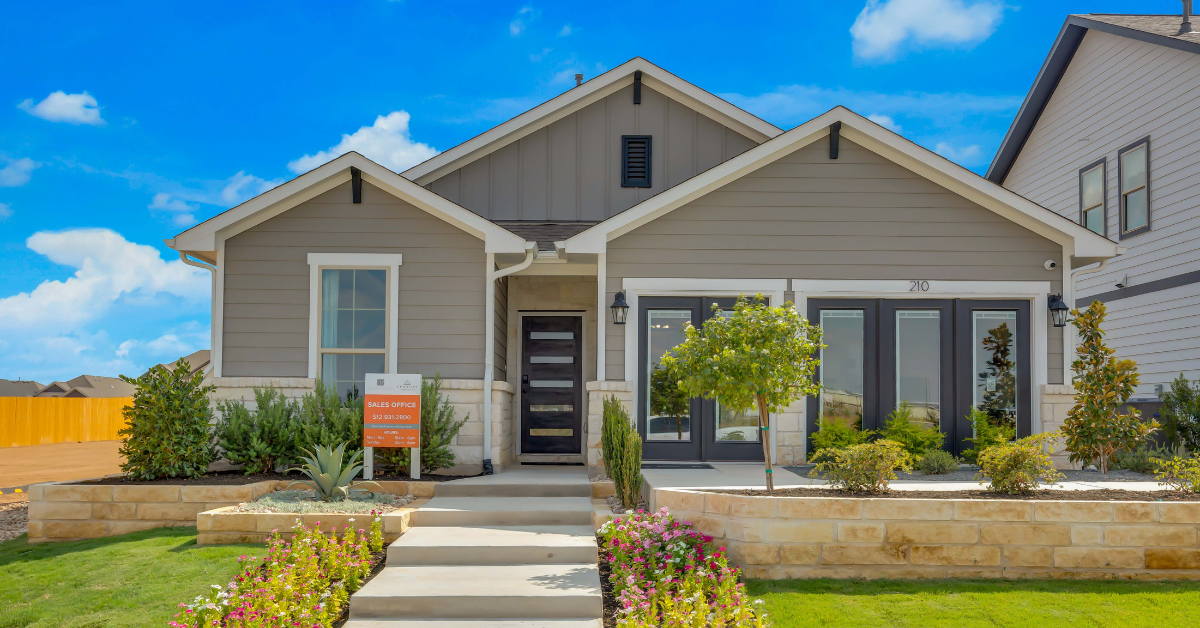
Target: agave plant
327,476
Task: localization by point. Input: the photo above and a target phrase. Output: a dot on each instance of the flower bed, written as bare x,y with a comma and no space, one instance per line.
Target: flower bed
663,573
304,581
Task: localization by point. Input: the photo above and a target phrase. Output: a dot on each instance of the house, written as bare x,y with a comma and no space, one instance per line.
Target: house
506,263
94,386
18,388
1109,137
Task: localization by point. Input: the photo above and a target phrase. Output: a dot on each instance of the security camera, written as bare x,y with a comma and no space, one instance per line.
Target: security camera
1050,264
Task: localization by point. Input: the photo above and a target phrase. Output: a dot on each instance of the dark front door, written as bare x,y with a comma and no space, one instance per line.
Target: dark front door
551,385
675,427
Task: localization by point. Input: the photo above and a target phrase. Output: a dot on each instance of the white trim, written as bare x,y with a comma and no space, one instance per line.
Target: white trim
601,315
583,411
1034,291
319,261
577,98
218,323
636,287
204,236
1077,239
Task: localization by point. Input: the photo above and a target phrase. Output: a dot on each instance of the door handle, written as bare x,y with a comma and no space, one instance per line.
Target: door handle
524,383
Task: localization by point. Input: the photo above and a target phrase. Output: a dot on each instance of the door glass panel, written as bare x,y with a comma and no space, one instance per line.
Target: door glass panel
567,407
736,426
994,362
552,335
551,359
668,410
919,365
841,396
552,383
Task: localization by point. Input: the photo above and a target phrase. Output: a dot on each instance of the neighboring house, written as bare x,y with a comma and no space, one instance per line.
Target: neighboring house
18,388
498,264
93,386
199,361
1109,137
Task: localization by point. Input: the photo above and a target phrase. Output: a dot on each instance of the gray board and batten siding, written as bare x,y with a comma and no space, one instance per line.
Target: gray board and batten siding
807,216
570,170
441,309
1115,91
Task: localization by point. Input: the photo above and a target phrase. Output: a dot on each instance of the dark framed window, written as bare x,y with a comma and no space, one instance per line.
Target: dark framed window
635,161
1133,176
1093,199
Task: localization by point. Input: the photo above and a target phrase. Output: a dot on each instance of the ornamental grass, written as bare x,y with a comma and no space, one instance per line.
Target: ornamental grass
664,574
302,582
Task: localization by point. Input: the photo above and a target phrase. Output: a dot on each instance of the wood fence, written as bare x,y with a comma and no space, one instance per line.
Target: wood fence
48,420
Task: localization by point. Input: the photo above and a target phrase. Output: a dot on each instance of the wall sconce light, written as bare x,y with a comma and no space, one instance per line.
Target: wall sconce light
620,309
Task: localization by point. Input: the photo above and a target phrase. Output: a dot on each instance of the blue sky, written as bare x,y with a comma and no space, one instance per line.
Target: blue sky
122,123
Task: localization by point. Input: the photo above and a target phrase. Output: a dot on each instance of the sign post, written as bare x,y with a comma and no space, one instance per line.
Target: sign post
392,417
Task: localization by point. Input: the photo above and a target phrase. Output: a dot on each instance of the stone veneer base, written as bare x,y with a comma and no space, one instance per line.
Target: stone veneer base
60,511
222,526
845,537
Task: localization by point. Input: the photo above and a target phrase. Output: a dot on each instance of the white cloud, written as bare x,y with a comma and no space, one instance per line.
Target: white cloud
536,57
525,15
965,156
566,31
6,211
108,267
386,142
17,172
800,103
884,26
62,107
885,121
184,214
242,187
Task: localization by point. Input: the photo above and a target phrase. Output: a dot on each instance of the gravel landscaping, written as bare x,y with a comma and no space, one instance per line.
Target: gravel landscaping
14,520
303,502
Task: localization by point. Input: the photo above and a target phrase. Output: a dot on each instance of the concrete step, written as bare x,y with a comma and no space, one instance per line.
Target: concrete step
497,545
503,511
455,489
481,592
474,623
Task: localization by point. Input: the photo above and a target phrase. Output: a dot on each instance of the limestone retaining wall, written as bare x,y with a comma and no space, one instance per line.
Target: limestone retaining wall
812,537
1057,401
223,527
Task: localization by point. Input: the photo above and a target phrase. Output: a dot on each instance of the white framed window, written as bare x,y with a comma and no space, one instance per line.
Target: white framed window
352,317
1133,167
1093,212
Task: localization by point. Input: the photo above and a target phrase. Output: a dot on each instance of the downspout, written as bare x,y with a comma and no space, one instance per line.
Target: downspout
1071,304
489,343
212,275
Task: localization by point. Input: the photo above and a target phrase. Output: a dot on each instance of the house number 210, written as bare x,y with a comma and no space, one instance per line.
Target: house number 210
918,286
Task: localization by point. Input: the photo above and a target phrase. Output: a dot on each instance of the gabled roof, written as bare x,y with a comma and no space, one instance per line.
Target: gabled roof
1155,29
201,240
93,386
18,388
1078,241
577,98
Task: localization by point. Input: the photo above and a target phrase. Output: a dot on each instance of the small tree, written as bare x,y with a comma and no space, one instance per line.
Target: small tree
760,356
167,430
1094,430
438,429
1181,415
621,447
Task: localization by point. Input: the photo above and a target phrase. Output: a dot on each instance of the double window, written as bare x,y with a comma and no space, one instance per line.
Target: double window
1093,212
1134,174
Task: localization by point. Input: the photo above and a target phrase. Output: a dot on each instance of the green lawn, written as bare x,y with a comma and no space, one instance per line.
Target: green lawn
972,603
119,582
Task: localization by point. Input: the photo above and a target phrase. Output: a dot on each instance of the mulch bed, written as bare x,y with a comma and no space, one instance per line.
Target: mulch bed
1103,494
234,478
14,520
378,562
606,590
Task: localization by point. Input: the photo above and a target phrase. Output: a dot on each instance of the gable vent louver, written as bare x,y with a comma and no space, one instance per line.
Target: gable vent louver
635,161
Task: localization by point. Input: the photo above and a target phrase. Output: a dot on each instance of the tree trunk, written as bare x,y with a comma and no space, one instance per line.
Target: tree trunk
764,424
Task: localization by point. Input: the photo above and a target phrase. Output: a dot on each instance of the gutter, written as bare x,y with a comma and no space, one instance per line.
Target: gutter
489,342
212,274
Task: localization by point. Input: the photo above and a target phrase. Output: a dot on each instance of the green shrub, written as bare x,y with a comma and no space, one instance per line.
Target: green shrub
937,462
917,440
987,435
839,434
1143,459
261,441
621,448
326,418
438,429
167,425
1181,414
865,468
1179,474
1016,467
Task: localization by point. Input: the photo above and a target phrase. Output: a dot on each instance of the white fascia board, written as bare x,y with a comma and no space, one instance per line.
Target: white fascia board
1075,239
577,98
204,236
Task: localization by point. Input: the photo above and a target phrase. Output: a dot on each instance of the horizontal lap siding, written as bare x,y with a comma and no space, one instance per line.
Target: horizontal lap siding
441,309
571,170
809,217
1115,92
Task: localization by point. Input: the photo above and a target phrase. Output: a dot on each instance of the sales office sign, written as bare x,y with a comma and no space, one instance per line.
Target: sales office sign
392,416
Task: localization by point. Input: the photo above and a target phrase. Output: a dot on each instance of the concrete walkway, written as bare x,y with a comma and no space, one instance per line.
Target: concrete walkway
515,549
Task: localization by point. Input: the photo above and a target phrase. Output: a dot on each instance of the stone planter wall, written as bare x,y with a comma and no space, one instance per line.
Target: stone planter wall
1057,401
807,537
223,527
466,395
65,512
597,392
